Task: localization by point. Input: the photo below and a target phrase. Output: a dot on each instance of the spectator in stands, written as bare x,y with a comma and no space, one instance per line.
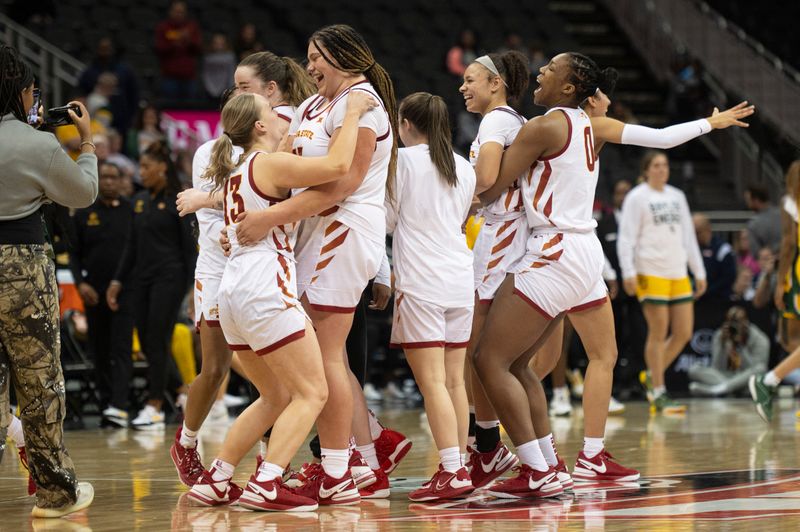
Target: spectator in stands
125,100
247,42
514,42
744,255
463,53
764,229
70,138
99,100
178,46
100,235
146,130
157,267
738,350
126,165
219,63
718,259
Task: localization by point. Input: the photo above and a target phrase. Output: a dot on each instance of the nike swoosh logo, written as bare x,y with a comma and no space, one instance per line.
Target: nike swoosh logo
593,467
325,493
217,492
269,494
453,483
541,482
492,463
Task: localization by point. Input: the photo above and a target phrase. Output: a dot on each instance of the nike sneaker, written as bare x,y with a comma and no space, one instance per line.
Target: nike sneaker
209,492
602,467
444,485
378,489
528,483
186,460
615,407
274,496
298,478
149,419
484,468
762,395
391,447
667,405
329,491
562,474
360,470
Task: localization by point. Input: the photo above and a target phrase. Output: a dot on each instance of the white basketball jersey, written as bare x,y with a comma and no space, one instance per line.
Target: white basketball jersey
500,125
285,112
558,192
313,125
242,194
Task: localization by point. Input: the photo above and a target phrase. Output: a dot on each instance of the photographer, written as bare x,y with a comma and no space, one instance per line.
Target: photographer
738,350
36,171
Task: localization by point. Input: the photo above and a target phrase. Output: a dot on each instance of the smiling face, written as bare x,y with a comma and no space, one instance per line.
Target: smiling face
246,80
479,88
553,79
329,79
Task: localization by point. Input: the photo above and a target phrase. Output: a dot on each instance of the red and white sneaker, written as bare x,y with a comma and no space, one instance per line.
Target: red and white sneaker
274,496
329,491
186,460
485,467
528,483
391,447
360,471
562,474
23,458
602,467
378,489
298,478
209,492
444,485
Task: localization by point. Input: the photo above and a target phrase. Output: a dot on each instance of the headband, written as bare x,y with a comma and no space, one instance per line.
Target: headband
486,61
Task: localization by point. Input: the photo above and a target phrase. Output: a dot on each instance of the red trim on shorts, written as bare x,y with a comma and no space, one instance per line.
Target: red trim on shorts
530,302
589,305
417,345
253,183
456,345
569,139
282,342
485,301
239,347
332,308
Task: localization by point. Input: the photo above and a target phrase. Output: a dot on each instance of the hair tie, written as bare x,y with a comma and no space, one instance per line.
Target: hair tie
487,62
371,65
227,135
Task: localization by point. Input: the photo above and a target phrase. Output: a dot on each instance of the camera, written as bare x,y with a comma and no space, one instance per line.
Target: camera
59,116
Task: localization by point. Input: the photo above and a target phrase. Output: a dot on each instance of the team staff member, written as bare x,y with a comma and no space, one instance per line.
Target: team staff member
36,171
157,267
100,235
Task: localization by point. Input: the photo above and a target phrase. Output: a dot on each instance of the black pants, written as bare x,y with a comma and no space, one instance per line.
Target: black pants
158,303
357,340
110,339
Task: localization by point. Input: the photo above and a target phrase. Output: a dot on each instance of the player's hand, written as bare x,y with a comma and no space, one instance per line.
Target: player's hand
192,200
777,297
360,102
700,286
613,288
112,294
252,227
732,116
225,242
88,294
629,285
380,296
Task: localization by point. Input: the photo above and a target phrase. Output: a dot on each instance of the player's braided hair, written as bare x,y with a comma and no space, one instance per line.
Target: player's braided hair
292,79
346,50
15,76
588,77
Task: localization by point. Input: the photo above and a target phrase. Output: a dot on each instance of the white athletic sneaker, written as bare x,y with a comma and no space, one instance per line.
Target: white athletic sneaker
148,419
85,498
393,392
218,415
560,405
371,394
575,378
180,401
114,417
615,407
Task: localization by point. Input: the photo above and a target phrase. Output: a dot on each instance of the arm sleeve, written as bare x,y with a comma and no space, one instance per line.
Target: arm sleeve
384,275
668,137
627,234
75,258
70,183
694,257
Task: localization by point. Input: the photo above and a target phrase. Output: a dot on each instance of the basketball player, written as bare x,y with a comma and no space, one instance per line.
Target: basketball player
285,85
432,318
341,249
261,317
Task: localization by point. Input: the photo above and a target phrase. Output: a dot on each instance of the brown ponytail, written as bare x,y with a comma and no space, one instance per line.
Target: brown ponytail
514,71
293,81
428,113
350,53
238,118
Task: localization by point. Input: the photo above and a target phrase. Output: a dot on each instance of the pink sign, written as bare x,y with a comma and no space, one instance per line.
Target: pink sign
187,129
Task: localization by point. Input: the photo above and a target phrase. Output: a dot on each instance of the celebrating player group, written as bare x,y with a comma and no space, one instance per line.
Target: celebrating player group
304,185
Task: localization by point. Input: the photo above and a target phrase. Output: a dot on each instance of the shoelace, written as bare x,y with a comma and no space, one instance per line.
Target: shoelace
195,467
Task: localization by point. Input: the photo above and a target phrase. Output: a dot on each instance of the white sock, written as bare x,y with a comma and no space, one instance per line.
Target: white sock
770,379
531,455
658,391
562,392
262,448
592,447
488,424
188,437
369,456
375,427
548,450
470,441
268,471
464,458
450,458
334,461
15,432
221,470
472,409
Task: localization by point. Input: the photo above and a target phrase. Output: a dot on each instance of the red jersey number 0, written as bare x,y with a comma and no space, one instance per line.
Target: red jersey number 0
588,146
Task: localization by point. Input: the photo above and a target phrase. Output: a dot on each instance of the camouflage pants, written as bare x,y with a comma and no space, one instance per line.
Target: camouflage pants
30,359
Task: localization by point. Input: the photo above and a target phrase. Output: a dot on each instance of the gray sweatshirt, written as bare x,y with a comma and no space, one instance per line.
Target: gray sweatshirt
34,169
